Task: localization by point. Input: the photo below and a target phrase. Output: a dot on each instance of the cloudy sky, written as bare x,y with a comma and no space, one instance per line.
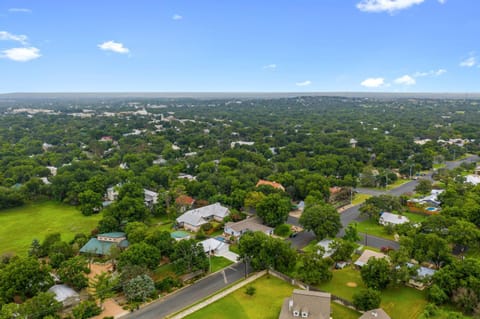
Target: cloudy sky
247,45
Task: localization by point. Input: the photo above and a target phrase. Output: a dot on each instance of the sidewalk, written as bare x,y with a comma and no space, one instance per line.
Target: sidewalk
218,296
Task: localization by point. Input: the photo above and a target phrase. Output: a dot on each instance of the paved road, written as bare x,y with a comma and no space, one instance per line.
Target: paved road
454,164
191,294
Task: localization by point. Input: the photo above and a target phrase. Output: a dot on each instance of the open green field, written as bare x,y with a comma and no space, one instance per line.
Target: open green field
398,302
265,304
19,226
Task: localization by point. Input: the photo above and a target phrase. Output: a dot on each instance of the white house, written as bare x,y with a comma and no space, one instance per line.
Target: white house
214,246
193,219
150,197
392,219
325,244
250,224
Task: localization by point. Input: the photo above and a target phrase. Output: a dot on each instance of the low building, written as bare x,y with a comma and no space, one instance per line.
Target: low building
392,219
66,295
195,218
378,313
250,224
366,255
306,304
268,183
422,278
150,197
102,244
213,246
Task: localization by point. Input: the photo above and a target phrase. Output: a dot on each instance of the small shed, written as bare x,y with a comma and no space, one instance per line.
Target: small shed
66,295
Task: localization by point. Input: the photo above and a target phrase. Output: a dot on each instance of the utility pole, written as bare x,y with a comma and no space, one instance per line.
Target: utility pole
411,171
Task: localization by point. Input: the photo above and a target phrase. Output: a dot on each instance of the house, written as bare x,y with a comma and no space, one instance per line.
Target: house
184,202
366,255
102,244
66,295
422,277
325,244
106,139
392,219
378,313
306,304
195,218
268,183
112,193
472,179
353,142
150,197
250,224
213,246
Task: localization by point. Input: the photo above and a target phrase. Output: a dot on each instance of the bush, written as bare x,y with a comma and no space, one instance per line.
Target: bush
206,227
200,235
367,299
86,309
282,230
436,295
167,284
250,290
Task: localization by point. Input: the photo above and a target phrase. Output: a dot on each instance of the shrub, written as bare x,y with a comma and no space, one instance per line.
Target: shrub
167,284
250,290
86,309
282,230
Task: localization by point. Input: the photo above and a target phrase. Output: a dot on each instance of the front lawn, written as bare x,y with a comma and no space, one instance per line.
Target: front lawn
20,225
360,198
398,302
342,312
218,263
372,227
264,304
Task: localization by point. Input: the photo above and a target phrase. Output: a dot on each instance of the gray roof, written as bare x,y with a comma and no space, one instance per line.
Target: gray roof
315,303
378,313
63,292
249,224
198,216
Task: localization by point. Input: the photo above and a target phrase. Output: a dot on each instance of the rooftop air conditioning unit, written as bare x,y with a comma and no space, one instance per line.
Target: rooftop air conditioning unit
304,314
296,313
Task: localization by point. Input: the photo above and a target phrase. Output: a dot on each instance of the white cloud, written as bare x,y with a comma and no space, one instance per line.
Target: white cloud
442,1
7,36
272,67
405,80
373,82
24,10
177,17
429,73
21,54
386,5
471,61
304,83
114,47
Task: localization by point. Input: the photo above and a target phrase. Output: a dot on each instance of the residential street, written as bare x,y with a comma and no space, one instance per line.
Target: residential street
191,294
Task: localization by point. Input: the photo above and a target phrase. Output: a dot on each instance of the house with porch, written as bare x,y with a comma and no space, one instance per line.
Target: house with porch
103,242
253,224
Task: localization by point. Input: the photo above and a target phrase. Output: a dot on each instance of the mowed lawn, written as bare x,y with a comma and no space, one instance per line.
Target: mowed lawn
398,302
19,226
266,303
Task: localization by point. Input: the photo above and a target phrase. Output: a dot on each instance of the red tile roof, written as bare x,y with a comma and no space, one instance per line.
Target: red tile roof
184,200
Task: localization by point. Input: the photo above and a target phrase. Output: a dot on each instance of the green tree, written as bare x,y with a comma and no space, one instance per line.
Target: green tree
90,202
105,285
314,269
424,186
376,273
273,209
139,288
30,278
74,272
136,232
351,233
367,299
342,249
464,233
42,305
189,256
86,309
162,240
141,254
323,220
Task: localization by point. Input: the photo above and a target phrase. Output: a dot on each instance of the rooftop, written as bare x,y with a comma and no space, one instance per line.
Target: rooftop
268,183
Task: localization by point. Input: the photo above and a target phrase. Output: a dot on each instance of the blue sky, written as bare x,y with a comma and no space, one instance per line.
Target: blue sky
247,45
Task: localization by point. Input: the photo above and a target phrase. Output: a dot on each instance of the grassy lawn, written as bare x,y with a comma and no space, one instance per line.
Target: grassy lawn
265,304
397,183
398,302
19,226
342,312
164,271
360,198
371,227
437,166
218,263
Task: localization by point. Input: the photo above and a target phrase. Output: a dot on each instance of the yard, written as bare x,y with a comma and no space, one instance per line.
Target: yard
264,304
218,263
19,226
371,227
398,302
360,198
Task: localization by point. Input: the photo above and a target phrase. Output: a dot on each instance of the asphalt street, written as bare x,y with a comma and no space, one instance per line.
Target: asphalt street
191,294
